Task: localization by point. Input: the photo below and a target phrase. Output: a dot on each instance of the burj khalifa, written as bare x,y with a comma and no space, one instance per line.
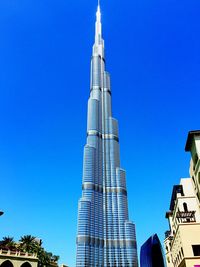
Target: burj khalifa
106,237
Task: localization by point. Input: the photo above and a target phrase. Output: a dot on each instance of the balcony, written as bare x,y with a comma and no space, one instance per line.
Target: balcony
186,216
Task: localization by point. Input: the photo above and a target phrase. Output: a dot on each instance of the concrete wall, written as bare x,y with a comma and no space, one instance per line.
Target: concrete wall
18,259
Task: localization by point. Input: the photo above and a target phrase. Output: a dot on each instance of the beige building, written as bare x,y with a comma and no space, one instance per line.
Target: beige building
182,242
14,258
10,258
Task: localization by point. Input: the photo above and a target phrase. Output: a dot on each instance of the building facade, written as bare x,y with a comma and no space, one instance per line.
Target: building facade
193,146
182,242
151,254
105,236
9,258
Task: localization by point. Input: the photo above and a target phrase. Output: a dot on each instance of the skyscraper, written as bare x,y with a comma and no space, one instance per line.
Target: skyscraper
151,253
105,237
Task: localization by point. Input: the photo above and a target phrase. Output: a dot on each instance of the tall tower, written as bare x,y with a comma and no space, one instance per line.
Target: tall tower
105,237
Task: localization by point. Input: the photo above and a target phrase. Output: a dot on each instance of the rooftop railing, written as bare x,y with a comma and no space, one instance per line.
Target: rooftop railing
17,253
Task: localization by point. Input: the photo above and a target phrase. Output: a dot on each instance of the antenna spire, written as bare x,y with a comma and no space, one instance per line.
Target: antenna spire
98,34
98,14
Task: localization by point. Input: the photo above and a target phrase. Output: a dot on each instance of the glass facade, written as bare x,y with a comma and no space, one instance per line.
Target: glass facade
151,254
105,236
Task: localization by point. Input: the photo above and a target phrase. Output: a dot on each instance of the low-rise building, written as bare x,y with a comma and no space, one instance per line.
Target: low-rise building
9,258
27,252
182,242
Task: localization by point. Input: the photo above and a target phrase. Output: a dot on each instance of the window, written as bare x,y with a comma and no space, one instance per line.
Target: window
185,207
196,250
7,263
198,196
195,159
182,251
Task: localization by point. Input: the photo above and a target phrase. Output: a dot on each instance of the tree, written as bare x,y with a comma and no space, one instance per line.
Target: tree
55,258
28,244
44,258
7,243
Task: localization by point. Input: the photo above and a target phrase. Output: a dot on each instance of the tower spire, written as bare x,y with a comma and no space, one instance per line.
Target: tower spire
98,34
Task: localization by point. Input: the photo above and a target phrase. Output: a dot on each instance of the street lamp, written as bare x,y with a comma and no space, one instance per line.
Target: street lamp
1,212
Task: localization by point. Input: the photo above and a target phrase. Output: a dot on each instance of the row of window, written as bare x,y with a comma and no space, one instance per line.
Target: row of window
180,255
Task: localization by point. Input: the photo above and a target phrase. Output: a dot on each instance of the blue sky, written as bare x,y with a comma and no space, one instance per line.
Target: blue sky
152,51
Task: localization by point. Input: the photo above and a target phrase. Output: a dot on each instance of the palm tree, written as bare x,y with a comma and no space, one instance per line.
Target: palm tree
28,244
7,243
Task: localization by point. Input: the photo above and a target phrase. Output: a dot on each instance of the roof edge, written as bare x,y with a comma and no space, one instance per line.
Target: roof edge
190,137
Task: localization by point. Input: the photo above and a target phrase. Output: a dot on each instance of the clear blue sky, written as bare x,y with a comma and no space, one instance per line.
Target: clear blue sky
152,51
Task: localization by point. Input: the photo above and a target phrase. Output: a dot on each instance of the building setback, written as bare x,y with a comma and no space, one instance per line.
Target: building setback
105,236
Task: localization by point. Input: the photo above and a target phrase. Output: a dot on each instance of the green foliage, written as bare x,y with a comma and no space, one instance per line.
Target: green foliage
30,244
7,243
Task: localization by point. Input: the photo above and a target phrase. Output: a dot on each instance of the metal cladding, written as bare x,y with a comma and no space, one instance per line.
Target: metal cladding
151,254
105,237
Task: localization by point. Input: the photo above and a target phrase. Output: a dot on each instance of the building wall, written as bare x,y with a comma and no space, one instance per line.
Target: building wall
168,253
184,231
195,165
18,259
190,235
189,262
